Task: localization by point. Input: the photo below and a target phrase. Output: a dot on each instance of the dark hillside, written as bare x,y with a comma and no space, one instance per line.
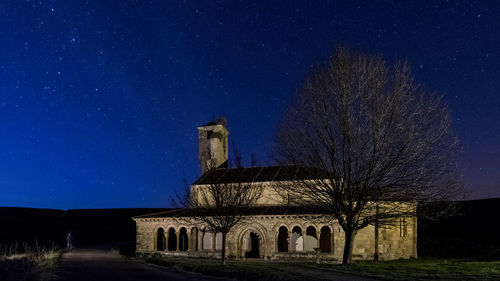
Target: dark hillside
28,225
472,232
88,227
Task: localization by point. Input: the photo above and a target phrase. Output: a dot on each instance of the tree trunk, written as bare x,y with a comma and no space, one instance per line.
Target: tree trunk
223,248
348,246
376,256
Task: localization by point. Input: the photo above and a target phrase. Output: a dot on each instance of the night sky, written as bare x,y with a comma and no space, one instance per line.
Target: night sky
99,100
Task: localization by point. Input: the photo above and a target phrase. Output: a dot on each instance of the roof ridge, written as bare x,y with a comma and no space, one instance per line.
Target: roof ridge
157,213
276,174
257,174
267,166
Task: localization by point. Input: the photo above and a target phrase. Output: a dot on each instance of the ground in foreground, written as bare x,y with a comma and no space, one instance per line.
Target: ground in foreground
100,264
421,269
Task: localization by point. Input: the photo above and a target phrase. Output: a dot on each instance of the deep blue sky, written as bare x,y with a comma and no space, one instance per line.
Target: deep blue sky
99,100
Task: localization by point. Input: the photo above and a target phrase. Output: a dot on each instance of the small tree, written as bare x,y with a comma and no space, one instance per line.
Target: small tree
375,140
223,205
182,199
220,205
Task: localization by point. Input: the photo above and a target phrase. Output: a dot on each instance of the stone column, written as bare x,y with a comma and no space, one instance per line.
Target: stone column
193,240
196,235
178,235
376,254
304,234
332,242
201,234
289,241
167,236
276,243
318,236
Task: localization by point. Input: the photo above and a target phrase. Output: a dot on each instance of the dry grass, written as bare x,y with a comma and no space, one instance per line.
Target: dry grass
27,262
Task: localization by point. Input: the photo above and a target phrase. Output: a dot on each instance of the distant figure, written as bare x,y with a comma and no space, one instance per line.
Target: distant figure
69,242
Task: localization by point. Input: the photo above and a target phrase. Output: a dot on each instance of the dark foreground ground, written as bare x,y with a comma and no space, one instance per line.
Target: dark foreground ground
408,270
100,264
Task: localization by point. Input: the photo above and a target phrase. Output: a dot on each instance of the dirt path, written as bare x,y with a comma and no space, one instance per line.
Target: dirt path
103,265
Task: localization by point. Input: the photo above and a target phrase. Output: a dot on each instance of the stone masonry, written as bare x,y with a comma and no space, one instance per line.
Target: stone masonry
270,233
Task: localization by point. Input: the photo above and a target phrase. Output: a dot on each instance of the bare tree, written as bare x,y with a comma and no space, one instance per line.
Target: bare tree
237,158
222,205
181,199
375,141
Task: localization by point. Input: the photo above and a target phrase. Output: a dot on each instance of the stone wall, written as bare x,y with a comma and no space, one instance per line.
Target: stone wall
394,242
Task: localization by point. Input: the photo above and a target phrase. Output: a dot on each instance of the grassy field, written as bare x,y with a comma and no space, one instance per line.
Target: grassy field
421,269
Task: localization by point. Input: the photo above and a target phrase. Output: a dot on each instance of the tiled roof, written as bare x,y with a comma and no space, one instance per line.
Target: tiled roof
259,174
252,211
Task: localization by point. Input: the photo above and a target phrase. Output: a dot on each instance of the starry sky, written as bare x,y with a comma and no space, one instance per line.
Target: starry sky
99,100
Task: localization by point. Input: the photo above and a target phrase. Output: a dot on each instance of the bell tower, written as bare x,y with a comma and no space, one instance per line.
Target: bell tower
212,149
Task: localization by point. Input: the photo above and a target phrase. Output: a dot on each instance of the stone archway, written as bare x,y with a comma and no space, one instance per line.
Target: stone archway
282,239
297,242
310,239
172,239
252,248
252,239
183,239
326,240
160,240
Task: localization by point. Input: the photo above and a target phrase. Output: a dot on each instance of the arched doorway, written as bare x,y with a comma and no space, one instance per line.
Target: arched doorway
297,244
252,246
172,239
311,239
160,239
183,239
325,240
283,239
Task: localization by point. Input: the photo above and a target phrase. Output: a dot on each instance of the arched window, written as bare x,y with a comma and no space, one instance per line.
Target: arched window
297,244
160,239
325,240
207,240
311,239
283,239
172,239
218,241
183,239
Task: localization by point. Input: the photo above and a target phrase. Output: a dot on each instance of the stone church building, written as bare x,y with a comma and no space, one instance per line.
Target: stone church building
272,229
